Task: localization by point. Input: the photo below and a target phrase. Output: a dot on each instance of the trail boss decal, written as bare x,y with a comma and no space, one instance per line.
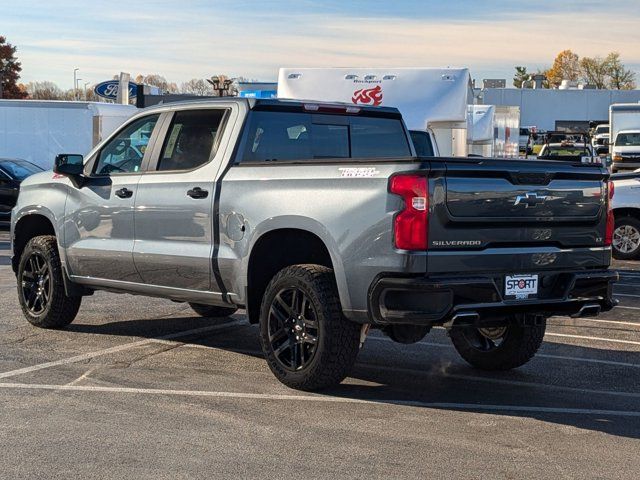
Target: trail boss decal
361,172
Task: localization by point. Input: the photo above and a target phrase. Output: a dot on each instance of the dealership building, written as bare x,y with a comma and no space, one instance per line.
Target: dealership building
558,109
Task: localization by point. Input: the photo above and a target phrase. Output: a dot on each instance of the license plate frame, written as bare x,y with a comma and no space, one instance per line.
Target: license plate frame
521,286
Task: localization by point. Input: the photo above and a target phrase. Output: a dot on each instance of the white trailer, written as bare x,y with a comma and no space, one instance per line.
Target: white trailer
480,129
624,135
37,130
430,99
493,131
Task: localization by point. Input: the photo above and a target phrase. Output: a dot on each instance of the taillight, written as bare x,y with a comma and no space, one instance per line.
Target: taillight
608,236
410,225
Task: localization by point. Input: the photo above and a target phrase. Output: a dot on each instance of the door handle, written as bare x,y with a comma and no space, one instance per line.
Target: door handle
198,192
124,193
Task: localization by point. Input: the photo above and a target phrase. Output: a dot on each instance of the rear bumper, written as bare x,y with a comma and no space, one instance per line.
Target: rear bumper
438,300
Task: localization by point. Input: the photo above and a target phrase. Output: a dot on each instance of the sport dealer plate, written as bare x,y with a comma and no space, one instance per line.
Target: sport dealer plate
521,286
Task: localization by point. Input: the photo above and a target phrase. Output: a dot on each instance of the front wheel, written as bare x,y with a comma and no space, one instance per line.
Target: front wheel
498,348
41,290
307,341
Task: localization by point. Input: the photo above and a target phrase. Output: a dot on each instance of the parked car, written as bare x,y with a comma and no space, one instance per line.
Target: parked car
626,211
320,221
624,143
12,172
626,150
600,138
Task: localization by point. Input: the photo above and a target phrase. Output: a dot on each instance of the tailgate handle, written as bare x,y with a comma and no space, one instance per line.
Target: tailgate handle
531,178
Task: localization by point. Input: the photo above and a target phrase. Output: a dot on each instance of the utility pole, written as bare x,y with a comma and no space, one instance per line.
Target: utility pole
1,76
75,83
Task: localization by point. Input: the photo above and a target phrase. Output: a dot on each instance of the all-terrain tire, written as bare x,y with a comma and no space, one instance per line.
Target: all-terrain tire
634,225
212,311
338,339
518,346
60,310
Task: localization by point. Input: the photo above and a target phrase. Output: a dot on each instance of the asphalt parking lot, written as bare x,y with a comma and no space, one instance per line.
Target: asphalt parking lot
144,388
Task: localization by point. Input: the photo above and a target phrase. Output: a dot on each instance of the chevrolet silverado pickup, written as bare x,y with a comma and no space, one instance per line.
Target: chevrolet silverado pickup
321,222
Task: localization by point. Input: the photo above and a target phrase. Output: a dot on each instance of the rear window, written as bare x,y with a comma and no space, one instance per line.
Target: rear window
422,143
274,136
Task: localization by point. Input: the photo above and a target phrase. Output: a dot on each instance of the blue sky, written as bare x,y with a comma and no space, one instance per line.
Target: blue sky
196,39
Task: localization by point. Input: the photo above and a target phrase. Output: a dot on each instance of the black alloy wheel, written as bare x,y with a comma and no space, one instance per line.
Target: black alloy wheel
293,328
36,286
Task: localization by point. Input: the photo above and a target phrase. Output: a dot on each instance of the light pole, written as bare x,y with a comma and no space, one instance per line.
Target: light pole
85,90
1,75
220,84
75,83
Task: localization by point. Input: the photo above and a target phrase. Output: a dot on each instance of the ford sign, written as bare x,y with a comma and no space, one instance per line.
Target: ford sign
109,89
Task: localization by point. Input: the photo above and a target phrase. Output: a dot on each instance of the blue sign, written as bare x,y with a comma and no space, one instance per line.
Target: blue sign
109,89
258,93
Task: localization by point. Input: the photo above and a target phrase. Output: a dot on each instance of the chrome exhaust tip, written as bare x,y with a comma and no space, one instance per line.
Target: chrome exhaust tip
588,310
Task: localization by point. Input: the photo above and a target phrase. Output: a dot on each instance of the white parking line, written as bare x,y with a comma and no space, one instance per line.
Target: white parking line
627,284
538,355
118,348
597,339
625,295
597,320
627,308
324,399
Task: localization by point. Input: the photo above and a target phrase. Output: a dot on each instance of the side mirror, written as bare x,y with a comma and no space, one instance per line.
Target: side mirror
69,164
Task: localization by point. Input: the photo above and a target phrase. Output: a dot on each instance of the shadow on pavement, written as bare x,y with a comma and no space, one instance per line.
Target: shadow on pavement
426,377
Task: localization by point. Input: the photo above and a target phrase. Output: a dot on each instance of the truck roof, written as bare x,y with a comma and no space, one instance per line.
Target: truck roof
309,106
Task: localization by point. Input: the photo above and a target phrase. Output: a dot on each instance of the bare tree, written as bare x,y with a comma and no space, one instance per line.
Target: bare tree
44,91
197,86
157,81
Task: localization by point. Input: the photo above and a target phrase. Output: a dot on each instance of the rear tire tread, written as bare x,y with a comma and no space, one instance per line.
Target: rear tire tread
519,346
340,341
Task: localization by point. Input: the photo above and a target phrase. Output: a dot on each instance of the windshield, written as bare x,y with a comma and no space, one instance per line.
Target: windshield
628,139
602,129
19,169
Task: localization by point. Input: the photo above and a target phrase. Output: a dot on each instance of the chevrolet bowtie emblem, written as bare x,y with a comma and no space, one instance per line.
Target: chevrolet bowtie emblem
530,199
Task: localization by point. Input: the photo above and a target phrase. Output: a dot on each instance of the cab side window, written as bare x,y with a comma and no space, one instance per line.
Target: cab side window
190,139
124,153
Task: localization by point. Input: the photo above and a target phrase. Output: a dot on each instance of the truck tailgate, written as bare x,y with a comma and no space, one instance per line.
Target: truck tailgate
489,215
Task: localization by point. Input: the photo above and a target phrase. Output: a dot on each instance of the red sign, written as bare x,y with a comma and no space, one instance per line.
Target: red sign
368,96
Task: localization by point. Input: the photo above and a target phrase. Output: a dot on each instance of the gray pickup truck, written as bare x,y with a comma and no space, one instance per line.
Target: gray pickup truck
320,221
